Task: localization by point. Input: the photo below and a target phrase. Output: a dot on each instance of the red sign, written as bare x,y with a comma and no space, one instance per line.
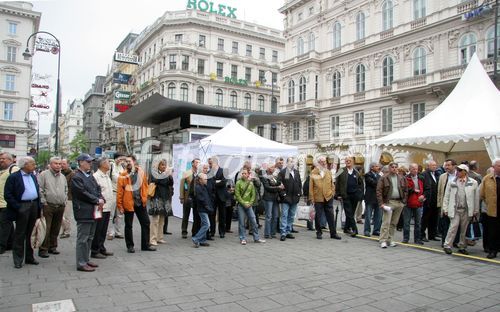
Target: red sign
120,108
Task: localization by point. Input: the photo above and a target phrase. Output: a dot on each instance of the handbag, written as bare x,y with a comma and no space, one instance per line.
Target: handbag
474,230
151,189
38,233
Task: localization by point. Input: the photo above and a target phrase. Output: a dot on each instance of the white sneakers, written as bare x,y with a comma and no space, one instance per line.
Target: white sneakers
393,244
384,244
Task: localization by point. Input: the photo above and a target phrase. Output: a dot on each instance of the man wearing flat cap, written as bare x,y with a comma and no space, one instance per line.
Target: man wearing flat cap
87,202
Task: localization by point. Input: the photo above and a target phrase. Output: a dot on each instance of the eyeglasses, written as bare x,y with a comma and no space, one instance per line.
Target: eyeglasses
394,166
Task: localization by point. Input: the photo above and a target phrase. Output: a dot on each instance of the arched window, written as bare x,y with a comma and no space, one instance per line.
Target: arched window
302,89
336,84
490,41
419,61
248,101
184,92
233,99
291,92
171,91
219,97
360,78
300,46
274,105
312,40
360,26
387,15
387,71
337,39
467,47
200,95
419,9
261,103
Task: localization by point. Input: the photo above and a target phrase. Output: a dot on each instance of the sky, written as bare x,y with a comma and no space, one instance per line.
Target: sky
89,31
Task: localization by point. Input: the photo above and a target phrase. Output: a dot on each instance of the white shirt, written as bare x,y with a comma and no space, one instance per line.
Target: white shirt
106,185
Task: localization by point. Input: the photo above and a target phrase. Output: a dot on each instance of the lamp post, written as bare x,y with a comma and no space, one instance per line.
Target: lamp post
27,55
26,118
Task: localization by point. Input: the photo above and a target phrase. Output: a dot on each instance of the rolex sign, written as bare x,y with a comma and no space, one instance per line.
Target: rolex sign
122,95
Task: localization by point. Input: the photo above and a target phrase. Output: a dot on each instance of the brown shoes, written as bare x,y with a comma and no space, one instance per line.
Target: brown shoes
86,268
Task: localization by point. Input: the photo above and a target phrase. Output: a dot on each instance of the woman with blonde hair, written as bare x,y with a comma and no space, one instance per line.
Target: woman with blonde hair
162,178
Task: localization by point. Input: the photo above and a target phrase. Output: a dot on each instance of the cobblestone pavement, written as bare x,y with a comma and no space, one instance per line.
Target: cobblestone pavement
304,274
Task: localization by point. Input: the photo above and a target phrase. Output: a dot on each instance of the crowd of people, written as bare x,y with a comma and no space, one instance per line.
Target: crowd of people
103,202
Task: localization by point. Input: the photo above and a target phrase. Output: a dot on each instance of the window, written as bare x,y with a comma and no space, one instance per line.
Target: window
419,9
219,97
260,130
10,82
291,92
275,56
387,15
233,99
490,41
360,78
249,50
202,41
178,38
300,46
8,110
184,92
299,16
171,90
360,26
274,133
311,127
316,87
335,126
467,47
419,62
274,78
220,69
387,71
248,101
201,67
311,11
235,47
302,89
12,28
200,95
262,76
387,119
359,122
220,44
311,41
234,71
337,39
418,111
11,54
274,105
248,74
185,62
295,131
7,141
262,53
172,59
336,84
260,102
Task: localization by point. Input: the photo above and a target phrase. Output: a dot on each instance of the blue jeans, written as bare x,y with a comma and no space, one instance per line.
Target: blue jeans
408,213
271,217
372,209
242,212
201,236
287,217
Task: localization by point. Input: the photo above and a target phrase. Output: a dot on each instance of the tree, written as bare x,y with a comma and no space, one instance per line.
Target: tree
42,158
78,145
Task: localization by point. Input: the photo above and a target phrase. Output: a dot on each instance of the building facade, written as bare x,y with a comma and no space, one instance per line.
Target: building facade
363,69
17,22
70,123
93,115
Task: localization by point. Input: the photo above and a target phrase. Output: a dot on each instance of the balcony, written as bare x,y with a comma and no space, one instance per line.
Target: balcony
411,82
418,23
359,96
387,34
466,6
385,90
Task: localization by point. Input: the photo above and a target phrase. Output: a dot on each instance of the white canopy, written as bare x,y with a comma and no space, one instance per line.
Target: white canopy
236,140
467,120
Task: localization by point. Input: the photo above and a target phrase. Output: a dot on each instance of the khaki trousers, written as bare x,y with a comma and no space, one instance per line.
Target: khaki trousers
156,232
66,221
390,220
461,218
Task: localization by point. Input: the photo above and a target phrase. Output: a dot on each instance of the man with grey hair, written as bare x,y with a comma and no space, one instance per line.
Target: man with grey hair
372,208
54,193
490,193
22,195
6,226
102,177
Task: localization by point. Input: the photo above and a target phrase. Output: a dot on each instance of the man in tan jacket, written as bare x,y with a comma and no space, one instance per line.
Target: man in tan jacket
321,190
186,189
490,192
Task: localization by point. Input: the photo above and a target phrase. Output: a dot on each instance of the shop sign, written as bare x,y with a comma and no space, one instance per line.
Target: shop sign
121,78
126,58
240,82
122,95
210,7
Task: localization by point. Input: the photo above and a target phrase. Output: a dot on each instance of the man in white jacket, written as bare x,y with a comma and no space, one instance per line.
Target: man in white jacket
460,204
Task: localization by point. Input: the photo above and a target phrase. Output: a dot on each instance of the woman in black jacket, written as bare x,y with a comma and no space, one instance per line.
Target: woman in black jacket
163,197
272,186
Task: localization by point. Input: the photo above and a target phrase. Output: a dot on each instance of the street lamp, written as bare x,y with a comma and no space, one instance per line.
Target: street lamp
27,55
26,118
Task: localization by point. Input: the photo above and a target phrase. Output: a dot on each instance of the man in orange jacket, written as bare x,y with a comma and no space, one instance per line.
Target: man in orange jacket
131,197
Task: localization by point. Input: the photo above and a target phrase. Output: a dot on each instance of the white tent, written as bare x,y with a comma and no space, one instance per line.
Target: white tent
467,120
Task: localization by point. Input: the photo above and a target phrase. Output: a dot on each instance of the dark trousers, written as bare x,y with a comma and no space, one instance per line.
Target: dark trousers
25,221
196,221
429,221
229,218
325,208
101,229
211,218
483,218
53,218
165,225
143,218
494,234
6,230
186,210
221,209
350,203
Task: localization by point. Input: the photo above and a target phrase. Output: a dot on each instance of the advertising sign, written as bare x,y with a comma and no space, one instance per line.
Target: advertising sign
210,7
122,95
120,108
121,78
126,58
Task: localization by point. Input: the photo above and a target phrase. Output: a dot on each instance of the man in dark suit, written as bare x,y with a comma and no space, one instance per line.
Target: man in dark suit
372,206
22,195
431,212
217,174
290,177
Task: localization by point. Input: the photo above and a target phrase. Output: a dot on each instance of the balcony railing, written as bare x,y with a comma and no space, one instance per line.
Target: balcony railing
466,6
385,90
359,96
418,23
411,82
387,34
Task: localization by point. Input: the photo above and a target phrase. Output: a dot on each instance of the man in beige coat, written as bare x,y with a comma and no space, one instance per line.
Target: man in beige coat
490,193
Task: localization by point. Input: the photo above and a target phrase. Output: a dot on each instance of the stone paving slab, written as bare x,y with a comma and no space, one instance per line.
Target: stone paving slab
304,274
